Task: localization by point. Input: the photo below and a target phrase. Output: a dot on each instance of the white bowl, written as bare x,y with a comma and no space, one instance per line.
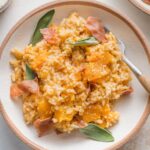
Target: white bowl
4,4
133,109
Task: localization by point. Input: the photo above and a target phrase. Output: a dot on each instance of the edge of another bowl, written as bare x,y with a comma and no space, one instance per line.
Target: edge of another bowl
124,18
138,5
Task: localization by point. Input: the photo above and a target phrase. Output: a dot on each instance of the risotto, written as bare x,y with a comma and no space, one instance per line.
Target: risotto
74,84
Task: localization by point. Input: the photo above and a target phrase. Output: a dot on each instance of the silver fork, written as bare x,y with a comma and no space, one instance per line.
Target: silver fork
145,81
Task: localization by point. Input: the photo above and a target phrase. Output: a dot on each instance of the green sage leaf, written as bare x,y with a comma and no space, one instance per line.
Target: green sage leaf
86,42
43,23
97,133
30,75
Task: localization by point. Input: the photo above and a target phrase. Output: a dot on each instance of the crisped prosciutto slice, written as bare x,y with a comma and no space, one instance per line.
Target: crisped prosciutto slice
29,86
96,27
50,35
43,126
15,91
128,91
58,131
147,2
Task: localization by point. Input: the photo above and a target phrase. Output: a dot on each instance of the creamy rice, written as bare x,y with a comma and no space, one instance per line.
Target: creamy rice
75,87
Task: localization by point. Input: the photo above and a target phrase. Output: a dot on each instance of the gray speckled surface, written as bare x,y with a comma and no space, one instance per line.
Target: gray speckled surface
8,141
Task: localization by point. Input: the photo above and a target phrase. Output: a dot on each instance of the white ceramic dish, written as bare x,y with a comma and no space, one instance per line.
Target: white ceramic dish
141,5
133,109
4,4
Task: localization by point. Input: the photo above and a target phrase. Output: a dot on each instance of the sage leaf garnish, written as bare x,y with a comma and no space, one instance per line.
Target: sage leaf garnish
43,23
86,42
97,133
30,75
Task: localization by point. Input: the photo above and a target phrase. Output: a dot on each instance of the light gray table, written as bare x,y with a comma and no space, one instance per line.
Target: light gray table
18,8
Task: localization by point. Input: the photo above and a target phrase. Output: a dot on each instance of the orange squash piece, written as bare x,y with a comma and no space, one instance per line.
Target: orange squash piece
44,109
61,115
94,71
92,113
104,58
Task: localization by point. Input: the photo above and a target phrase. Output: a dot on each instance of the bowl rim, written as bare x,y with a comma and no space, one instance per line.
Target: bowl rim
99,5
138,5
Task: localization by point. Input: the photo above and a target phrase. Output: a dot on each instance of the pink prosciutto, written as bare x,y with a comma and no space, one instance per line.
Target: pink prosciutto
30,86
95,26
50,35
128,91
15,92
42,126
147,2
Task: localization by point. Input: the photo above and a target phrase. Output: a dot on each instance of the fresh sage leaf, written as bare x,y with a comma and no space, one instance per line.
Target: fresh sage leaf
43,23
85,42
30,75
97,133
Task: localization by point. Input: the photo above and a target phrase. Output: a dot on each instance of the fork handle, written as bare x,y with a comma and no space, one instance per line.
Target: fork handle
145,81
